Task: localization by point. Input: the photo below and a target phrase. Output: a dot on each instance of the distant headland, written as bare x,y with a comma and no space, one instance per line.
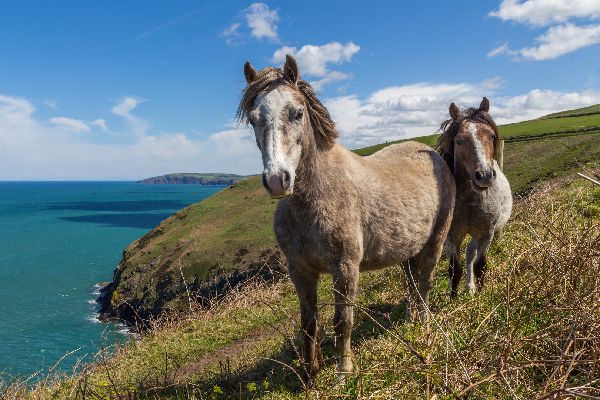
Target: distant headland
193,179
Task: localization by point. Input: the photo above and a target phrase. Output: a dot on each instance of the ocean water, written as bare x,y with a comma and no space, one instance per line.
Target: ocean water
57,241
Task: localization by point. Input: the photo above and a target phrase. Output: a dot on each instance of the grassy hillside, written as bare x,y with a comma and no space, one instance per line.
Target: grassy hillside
529,334
231,230
230,234
573,113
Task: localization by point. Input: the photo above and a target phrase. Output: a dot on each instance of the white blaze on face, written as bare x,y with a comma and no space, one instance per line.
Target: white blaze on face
269,130
479,152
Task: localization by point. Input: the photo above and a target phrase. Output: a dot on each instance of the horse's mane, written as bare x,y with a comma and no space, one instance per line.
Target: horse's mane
449,129
269,77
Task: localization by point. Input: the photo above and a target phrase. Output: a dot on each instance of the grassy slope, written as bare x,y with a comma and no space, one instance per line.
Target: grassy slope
580,111
236,230
231,231
538,309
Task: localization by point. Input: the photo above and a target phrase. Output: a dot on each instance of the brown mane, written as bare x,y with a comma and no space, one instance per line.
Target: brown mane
268,78
451,127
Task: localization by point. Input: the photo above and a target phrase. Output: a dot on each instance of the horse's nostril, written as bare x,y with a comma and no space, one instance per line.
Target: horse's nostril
286,180
264,180
478,175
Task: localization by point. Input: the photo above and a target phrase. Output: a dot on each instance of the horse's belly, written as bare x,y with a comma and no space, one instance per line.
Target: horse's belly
393,242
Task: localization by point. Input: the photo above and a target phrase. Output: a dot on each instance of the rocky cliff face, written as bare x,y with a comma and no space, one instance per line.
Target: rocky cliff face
201,251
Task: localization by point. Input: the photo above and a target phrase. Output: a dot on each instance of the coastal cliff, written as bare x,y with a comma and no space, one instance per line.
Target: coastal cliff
200,252
193,179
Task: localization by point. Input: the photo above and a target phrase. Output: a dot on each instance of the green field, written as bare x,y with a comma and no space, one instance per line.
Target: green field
573,113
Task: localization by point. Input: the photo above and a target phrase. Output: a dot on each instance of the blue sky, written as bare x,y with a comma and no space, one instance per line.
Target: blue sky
124,90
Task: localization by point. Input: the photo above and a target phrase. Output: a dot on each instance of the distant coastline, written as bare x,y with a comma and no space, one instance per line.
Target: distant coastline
211,179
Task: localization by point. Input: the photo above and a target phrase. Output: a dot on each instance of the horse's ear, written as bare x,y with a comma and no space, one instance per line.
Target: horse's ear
485,105
454,110
290,69
249,72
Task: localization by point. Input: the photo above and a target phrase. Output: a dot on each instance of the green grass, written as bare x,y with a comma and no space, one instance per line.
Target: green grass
542,126
529,162
231,229
572,113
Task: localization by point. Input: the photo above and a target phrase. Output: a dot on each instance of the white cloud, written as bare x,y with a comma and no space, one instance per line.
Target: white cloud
418,109
125,106
50,103
71,124
101,123
34,149
538,102
500,50
314,60
545,12
123,109
557,41
231,32
262,21
560,40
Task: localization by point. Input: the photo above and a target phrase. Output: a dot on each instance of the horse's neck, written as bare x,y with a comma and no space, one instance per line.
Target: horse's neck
313,176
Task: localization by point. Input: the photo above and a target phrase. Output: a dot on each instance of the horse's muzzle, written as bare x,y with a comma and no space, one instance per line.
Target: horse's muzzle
483,179
278,183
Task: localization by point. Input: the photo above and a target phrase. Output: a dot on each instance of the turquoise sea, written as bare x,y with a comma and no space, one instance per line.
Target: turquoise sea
57,241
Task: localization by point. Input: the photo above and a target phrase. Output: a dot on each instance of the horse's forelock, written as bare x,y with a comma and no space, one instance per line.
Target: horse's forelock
450,128
269,77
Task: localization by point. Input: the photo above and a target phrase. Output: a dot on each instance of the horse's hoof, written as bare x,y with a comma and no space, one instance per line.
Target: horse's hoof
340,378
471,289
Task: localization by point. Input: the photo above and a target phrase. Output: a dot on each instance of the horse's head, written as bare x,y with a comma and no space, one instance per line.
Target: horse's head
280,107
278,118
472,139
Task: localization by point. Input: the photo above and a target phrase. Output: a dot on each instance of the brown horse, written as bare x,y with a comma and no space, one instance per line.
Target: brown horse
470,144
341,213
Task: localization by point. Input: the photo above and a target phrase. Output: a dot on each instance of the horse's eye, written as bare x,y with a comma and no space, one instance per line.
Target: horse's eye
299,114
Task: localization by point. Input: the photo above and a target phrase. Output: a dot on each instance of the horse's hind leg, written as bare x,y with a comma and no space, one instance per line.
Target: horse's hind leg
345,284
305,283
411,272
431,252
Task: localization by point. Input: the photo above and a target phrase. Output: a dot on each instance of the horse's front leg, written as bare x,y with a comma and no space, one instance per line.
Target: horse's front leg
476,261
345,283
480,264
305,281
455,269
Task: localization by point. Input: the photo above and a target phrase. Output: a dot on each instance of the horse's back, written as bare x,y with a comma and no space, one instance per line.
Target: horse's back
413,163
